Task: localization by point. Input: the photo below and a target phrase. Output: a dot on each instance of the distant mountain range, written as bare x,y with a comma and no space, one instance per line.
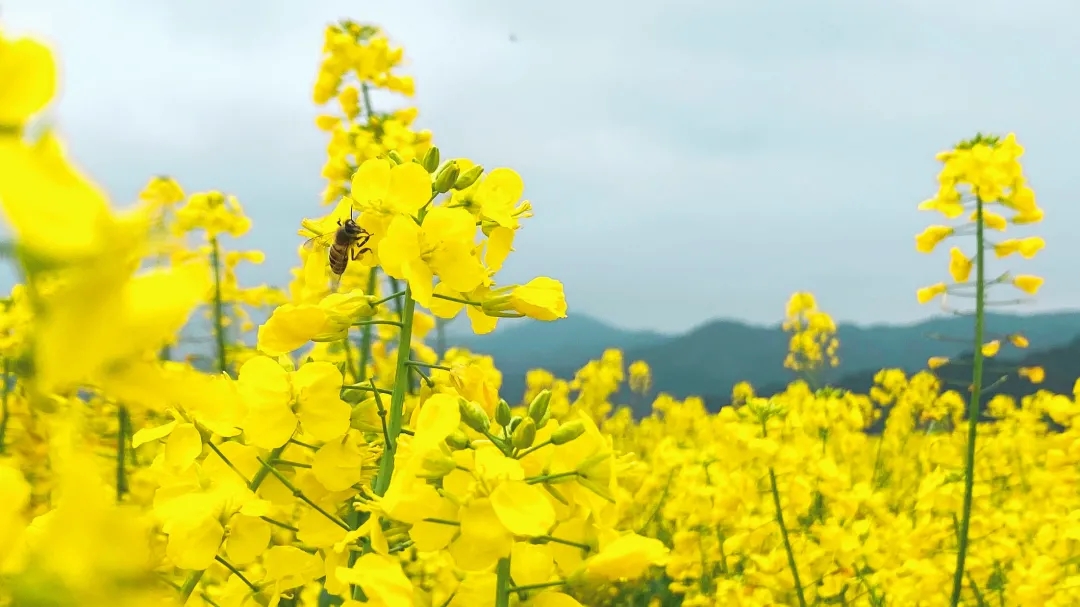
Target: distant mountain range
710,359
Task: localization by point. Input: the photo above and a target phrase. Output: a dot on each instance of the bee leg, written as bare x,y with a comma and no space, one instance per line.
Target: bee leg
357,252
363,239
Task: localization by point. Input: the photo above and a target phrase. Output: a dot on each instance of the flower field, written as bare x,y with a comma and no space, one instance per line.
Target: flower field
331,456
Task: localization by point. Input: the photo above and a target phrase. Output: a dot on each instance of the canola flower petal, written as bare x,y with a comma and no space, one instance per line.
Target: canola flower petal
541,298
290,567
382,580
28,71
627,558
552,599
290,327
248,537
531,563
483,539
321,411
523,509
338,464
183,447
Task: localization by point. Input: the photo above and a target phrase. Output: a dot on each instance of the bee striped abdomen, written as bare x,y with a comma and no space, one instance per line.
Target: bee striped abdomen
339,258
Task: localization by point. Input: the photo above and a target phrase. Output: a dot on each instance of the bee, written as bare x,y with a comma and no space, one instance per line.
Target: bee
345,244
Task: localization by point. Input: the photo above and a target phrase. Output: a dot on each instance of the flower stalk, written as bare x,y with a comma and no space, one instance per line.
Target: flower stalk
219,308
974,405
397,398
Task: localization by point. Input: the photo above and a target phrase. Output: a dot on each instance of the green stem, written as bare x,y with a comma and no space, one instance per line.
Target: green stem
974,406
219,308
4,413
502,583
123,425
367,331
397,399
260,475
784,530
346,346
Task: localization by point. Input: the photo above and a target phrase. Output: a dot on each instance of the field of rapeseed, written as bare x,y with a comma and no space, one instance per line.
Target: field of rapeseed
341,461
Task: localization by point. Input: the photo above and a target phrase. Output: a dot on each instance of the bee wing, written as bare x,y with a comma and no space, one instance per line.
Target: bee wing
322,241
335,282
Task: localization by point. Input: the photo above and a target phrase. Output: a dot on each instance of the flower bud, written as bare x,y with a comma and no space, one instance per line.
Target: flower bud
431,159
469,177
524,434
514,423
365,414
568,432
502,413
458,440
445,178
539,406
473,415
395,157
437,464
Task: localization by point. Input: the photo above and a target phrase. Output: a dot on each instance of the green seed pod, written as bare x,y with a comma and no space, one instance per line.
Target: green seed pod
524,434
473,416
502,413
431,159
445,178
538,408
468,177
458,440
567,432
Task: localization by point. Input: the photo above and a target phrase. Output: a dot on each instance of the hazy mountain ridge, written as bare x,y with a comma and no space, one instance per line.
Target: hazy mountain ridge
711,358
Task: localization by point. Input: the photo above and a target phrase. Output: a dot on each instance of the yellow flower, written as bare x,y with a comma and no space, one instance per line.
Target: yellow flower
28,71
1028,283
991,348
926,294
959,265
1034,374
991,220
541,298
931,237
498,194
383,187
442,246
627,558
936,362
1019,340
271,393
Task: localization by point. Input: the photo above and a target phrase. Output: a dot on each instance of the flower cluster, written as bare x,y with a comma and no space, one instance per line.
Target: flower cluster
813,335
343,461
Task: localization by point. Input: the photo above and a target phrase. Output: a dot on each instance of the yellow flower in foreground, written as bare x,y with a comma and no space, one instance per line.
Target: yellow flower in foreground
929,239
991,348
627,558
1028,283
959,265
498,194
383,187
271,393
926,294
1026,247
291,326
442,246
991,220
381,579
541,298
28,71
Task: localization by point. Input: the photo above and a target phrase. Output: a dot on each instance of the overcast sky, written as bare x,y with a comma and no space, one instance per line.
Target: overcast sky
686,160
